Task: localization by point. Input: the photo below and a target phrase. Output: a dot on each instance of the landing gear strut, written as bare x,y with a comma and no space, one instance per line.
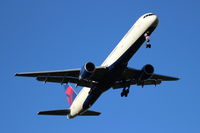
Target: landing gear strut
147,39
125,92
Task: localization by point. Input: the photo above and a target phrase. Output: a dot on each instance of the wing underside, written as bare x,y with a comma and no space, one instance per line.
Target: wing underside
65,76
130,76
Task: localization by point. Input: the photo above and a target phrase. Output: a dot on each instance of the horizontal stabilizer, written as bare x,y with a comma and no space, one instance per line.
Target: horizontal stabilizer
67,111
90,113
55,112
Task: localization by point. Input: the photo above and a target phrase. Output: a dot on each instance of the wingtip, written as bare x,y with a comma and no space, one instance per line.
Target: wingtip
41,113
99,113
38,113
16,74
22,74
177,78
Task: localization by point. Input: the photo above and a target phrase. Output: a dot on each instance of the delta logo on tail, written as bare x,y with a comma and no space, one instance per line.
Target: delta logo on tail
70,93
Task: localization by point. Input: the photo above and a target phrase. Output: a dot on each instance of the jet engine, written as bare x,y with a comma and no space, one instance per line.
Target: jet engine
146,72
87,71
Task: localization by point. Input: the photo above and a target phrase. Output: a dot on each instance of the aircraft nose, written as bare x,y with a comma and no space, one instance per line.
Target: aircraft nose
155,20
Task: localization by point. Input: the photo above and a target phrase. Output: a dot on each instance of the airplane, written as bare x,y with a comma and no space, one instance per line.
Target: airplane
113,72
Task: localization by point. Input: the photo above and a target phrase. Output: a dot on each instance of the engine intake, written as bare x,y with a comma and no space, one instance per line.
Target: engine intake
146,72
87,71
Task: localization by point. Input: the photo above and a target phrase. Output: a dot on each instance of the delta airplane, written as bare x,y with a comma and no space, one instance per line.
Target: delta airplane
113,73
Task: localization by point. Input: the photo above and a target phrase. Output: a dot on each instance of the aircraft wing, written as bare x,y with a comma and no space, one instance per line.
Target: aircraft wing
72,73
130,76
65,76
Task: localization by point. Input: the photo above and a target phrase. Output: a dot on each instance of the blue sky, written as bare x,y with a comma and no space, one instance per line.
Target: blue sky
41,35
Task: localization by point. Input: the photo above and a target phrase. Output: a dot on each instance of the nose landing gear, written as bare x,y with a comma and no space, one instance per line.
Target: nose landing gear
147,39
148,45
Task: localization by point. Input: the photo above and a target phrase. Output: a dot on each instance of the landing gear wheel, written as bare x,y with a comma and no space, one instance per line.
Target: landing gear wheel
125,92
148,45
122,94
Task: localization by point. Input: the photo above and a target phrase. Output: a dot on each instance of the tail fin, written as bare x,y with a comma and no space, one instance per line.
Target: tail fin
71,94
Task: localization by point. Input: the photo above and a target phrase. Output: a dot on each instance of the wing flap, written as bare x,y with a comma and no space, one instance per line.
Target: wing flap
130,76
122,84
61,80
66,76
150,82
118,85
131,73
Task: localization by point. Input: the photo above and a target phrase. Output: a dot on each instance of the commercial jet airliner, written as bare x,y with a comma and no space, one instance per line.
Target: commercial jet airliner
113,73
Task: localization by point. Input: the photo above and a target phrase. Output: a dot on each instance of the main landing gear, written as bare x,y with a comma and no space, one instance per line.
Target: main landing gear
147,39
125,92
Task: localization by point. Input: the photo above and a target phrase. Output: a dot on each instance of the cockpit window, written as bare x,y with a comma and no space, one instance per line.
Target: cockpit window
148,15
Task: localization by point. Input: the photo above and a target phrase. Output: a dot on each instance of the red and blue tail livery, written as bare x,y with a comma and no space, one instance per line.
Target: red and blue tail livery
70,94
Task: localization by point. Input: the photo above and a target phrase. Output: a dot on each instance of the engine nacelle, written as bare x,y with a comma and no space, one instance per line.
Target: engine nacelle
87,71
146,72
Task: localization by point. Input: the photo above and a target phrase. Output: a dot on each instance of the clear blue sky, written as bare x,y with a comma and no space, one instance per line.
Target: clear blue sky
41,35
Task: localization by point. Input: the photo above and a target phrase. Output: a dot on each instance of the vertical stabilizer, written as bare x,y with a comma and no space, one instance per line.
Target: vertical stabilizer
71,94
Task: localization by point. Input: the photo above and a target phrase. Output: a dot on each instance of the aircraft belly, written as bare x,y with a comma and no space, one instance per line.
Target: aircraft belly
105,84
125,44
116,63
77,106
88,96
91,99
130,41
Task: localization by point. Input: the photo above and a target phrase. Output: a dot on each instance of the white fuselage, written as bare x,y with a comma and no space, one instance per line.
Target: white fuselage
137,30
